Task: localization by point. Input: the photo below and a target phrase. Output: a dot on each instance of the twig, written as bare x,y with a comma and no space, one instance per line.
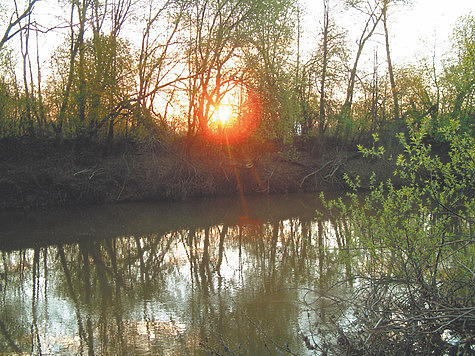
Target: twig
374,328
308,344
314,172
268,180
125,179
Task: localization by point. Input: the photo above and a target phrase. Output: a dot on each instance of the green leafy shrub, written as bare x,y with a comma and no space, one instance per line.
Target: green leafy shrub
418,249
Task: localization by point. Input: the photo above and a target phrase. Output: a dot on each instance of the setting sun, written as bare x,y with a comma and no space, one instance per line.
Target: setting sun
224,114
233,115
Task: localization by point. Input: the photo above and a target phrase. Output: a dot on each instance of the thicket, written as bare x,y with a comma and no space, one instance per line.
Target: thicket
415,278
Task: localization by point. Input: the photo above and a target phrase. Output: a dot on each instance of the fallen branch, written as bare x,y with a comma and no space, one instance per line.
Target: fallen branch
314,172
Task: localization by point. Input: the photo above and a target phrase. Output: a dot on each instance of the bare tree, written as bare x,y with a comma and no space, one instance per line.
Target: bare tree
374,13
385,4
374,16
24,47
76,46
322,75
154,62
16,20
105,52
326,26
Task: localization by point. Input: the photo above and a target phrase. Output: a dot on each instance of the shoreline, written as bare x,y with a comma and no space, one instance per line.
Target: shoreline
45,177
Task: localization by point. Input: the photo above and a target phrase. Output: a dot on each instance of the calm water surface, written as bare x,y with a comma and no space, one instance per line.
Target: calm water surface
226,276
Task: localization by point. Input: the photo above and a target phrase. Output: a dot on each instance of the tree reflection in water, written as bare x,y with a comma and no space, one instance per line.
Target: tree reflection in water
245,287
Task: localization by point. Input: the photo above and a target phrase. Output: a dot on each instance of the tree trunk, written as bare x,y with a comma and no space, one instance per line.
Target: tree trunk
321,123
368,31
25,57
82,69
58,125
390,66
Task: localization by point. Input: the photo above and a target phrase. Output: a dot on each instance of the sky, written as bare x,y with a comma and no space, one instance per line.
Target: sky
415,29
429,23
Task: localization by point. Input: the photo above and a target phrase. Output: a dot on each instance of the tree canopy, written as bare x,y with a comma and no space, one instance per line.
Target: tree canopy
136,69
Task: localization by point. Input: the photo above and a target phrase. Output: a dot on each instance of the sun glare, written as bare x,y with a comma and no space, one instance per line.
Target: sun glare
234,117
224,114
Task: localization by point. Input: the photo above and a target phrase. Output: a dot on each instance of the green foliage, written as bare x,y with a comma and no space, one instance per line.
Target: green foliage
459,77
418,238
108,84
99,85
268,62
10,103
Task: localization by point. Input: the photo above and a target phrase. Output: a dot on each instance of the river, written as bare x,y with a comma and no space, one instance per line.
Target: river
251,276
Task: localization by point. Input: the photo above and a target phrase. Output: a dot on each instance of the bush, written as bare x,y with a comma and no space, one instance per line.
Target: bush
417,265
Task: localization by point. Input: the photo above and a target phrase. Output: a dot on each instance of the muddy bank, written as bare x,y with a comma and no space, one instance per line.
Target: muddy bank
40,174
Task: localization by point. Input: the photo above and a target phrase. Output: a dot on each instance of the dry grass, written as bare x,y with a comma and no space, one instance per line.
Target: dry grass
37,173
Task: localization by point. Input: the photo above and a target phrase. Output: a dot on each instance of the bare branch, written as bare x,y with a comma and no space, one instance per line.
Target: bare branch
15,21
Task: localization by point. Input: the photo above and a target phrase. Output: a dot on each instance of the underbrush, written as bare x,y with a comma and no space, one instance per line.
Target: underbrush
415,249
36,173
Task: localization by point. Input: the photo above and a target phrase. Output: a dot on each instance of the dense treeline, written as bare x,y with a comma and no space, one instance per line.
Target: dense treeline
138,69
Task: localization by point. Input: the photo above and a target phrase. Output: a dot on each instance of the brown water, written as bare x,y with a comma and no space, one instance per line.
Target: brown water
224,276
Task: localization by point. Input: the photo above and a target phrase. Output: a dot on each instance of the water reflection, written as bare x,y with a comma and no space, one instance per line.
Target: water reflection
200,278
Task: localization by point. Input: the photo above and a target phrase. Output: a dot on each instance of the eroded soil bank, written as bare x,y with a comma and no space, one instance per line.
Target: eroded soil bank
36,173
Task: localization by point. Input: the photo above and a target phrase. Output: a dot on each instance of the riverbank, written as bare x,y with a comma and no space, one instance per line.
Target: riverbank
36,173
